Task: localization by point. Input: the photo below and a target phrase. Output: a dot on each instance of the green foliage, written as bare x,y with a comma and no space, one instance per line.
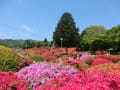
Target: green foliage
38,44
28,44
37,58
67,30
9,60
12,43
7,65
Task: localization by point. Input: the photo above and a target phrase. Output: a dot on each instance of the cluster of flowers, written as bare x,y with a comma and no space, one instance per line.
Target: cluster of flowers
39,74
10,81
49,58
84,57
84,81
106,67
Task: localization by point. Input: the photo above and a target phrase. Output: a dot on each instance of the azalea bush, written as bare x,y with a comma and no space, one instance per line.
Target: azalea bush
84,81
10,60
89,60
108,57
76,63
107,68
84,57
10,81
100,61
49,58
116,58
39,74
37,58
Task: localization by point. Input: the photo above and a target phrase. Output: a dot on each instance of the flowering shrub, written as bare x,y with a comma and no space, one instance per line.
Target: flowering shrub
107,67
108,57
49,58
39,74
27,61
76,63
84,57
100,61
10,60
116,58
37,58
99,52
89,60
10,81
84,81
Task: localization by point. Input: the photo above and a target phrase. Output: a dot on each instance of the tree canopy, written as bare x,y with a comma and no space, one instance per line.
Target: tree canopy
66,29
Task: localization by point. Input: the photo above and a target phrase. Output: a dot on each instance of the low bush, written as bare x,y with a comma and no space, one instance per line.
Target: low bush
37,58
84,81
40,74
116,58
10,81
10,60
105,68
100,61
108,57
84,57
89,60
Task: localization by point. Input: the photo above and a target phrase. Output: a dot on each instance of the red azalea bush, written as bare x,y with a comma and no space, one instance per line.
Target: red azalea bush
76,63
116,58
10,81
107,68
84,81
99,52
27,61
49,58
100,61
108,57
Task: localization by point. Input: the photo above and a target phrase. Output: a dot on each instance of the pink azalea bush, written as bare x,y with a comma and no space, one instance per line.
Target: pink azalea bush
84,81
10,81
39,74
84,57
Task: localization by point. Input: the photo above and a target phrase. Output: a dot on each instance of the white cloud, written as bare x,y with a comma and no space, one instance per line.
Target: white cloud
27,28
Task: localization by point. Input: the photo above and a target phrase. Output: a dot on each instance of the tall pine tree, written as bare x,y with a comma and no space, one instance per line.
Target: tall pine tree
66,29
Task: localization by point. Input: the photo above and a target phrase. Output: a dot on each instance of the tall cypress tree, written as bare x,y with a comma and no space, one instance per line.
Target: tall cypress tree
66,29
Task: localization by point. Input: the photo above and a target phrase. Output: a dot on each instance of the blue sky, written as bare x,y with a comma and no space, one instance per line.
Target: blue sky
37,19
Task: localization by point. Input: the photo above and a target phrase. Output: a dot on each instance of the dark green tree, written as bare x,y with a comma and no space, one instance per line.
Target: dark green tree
28,44
66,29
45,42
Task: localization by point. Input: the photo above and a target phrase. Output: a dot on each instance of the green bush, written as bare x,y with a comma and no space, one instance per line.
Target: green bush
10,60
37,58
7,65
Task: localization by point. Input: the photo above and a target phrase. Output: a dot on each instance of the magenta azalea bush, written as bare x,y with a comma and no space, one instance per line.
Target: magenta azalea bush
100,61
10,81
84,81
39,74
84,57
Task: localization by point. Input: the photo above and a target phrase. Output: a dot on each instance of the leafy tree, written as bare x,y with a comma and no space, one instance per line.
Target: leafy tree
67,30
92,38
28,44
38,44
114,37
45,42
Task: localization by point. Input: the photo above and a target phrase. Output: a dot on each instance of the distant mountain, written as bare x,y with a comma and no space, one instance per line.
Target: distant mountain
12,43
